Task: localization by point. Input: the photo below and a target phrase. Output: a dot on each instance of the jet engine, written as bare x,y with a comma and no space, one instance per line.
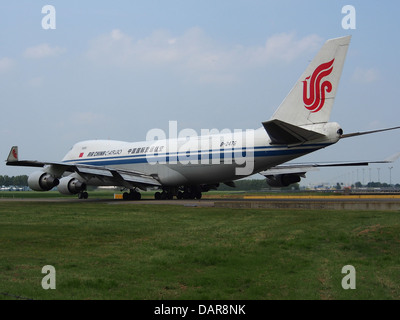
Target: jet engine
42,181
283,180
69,186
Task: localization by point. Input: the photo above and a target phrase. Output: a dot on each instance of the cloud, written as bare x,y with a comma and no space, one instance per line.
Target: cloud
365,75
6,64
43,51
284,47
195,52
159,48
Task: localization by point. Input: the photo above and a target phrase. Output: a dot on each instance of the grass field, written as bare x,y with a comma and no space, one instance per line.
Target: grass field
133,251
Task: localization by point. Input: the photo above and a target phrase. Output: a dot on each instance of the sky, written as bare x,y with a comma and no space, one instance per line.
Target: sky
117,69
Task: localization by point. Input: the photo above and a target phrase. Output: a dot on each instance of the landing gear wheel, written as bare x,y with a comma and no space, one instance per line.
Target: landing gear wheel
157,195
133,195
83,195
136,195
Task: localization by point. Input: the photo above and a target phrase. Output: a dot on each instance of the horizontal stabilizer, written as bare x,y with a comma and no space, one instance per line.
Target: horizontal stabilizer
302,168
355,134
282,132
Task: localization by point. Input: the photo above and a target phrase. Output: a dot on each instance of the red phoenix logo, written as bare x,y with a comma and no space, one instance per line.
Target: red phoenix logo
314,97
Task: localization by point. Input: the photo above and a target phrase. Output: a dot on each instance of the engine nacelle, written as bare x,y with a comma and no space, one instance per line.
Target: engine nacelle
283,180
42,181
69,186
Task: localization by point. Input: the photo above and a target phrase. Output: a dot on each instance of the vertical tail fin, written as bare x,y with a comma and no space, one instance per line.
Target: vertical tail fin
311,99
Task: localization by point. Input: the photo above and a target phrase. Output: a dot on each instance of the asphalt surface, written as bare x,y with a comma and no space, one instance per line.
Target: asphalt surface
362,202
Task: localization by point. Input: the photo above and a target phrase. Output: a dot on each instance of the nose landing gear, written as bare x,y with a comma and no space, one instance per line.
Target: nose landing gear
83,195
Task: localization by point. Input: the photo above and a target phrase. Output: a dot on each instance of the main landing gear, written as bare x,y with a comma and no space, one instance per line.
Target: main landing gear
168,193
187,192
132,195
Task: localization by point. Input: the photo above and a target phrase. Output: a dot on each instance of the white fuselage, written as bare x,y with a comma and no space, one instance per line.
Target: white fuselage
192,160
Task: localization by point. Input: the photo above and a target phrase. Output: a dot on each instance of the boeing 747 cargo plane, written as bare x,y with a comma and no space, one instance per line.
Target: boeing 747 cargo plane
187,166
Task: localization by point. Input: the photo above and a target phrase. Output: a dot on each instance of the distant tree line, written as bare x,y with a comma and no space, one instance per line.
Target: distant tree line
20,181
383,185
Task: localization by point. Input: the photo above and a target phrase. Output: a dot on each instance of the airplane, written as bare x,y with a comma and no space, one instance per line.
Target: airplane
185,167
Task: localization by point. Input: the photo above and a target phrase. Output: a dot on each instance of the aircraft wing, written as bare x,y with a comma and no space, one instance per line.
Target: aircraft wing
121,177
126,178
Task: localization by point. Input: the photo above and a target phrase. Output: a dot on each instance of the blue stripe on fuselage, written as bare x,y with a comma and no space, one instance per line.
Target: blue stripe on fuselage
198,155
